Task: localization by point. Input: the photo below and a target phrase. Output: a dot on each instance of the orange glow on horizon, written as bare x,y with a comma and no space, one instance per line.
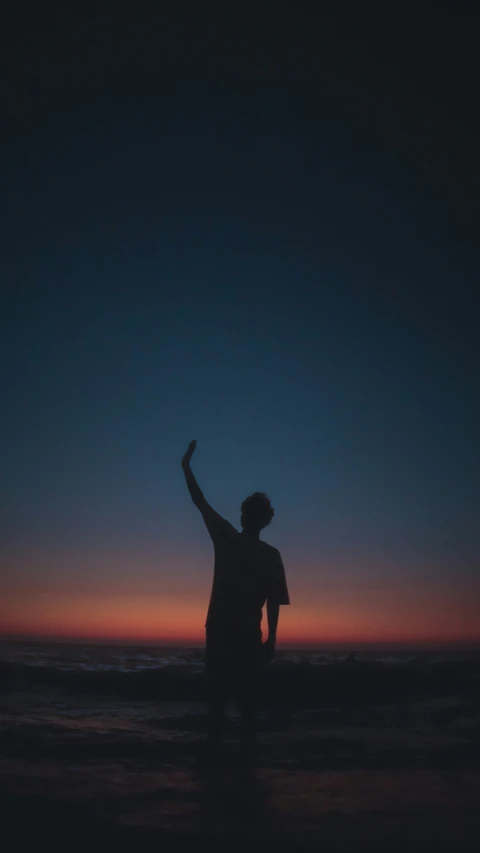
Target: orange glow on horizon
160,595
169,618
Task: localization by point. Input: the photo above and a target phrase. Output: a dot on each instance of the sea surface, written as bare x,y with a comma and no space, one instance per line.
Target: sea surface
383,743
72,687
75,656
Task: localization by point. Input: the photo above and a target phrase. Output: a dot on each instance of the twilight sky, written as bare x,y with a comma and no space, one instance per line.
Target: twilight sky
251,260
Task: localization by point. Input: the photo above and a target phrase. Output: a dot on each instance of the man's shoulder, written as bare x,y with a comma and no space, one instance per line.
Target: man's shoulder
270,550
228,531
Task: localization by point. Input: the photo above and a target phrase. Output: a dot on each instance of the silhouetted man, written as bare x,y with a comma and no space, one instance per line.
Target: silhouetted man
247,573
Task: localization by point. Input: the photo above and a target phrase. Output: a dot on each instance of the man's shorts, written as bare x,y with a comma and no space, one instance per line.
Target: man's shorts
235,662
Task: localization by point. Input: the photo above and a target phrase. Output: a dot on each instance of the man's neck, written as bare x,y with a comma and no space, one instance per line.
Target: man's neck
249,534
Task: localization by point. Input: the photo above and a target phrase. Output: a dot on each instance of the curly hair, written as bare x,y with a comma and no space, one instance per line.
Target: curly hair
257,510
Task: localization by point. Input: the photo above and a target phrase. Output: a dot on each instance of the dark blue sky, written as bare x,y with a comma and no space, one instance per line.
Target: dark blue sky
253,267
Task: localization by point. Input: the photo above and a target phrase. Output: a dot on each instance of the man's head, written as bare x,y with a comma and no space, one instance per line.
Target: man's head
257,512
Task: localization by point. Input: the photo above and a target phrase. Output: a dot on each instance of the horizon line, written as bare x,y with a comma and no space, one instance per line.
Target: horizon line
349,644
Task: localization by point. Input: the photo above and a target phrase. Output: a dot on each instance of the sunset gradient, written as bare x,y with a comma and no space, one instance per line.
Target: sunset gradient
334,609
254,270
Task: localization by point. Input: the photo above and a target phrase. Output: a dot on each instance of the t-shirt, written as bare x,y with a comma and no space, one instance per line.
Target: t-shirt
247,573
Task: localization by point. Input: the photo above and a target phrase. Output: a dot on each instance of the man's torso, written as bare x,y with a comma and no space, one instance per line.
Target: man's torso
242,578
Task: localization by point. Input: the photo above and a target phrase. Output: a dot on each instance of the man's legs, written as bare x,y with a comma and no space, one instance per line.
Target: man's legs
247,700
217,685
216,707
250,673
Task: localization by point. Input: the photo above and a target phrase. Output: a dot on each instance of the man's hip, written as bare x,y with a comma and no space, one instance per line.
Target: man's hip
234,656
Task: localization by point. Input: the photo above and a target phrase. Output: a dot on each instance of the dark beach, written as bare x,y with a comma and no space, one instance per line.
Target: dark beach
102,746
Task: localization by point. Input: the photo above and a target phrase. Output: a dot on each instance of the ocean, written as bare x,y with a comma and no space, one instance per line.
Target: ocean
152,694
117,731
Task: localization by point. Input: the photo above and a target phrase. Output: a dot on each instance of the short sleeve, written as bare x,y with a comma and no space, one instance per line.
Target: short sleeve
278,591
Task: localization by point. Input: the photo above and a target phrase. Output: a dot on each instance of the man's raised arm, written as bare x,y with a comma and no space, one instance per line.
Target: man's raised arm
195,491
216,525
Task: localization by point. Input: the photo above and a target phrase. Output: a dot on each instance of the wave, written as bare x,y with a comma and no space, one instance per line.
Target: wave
286,683
70,656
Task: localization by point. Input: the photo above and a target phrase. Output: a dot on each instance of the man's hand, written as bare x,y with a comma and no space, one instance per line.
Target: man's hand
269,650
189,453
